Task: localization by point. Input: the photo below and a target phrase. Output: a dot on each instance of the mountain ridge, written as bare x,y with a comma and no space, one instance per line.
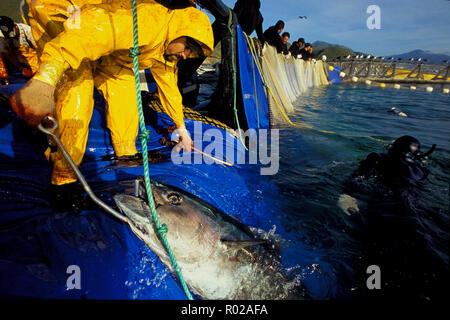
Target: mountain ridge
333,51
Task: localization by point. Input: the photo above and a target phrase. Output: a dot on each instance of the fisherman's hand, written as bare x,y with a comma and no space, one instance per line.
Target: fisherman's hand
185,141
34,101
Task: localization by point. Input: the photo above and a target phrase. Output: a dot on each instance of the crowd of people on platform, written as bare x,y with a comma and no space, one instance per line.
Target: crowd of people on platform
250,20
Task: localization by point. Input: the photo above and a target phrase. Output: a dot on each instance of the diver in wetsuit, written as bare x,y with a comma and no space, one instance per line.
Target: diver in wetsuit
386,220
400,167
396,174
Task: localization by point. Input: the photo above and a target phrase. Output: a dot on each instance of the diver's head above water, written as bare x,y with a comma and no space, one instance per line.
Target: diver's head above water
401,166
405,148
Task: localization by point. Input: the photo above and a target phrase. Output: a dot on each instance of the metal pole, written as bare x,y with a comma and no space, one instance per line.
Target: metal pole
48,126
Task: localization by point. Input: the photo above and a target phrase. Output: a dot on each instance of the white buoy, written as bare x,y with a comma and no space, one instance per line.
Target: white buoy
368,82
324,58
445,91
396,86
429,89
342,74
412,88
355,79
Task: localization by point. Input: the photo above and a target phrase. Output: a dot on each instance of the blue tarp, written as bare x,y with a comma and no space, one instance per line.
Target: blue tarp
256,105
334,75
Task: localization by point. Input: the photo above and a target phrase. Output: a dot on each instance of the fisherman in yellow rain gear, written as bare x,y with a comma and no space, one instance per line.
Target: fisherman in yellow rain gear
88,45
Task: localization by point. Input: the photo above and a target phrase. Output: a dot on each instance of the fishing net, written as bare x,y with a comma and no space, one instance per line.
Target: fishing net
288,79
279,102
321,73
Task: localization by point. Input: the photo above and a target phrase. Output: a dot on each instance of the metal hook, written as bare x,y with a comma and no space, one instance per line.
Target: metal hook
48,125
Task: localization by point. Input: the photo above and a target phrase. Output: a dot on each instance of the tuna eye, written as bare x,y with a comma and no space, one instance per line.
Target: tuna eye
174,199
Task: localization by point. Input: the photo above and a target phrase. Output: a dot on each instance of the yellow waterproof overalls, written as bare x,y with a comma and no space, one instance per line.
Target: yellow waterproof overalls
89,45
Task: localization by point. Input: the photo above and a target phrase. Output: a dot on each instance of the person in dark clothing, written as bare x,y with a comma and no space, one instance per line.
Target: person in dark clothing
306,52
272,36
296,47
284,39
398,168
397,174
389,218
249,17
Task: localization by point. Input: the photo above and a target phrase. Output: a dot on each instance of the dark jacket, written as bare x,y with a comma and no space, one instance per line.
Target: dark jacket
306,54
249,17
295,49
272,37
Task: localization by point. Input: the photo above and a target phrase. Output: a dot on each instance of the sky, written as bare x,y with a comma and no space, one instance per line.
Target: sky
405,25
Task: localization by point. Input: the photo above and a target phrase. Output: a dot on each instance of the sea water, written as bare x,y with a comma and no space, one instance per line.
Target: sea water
338,126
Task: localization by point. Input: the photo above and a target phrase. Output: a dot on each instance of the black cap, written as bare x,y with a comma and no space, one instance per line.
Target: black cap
7,26
308,45
301,40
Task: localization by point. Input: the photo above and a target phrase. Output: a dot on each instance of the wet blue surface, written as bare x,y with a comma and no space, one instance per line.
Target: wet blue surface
39,241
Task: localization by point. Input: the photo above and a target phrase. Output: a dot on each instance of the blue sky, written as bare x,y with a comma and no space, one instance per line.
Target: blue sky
405,25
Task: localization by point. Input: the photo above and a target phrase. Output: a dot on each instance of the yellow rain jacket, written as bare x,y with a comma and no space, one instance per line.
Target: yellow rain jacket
94,49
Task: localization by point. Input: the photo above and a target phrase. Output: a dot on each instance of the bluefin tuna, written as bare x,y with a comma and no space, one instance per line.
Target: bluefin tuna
219,256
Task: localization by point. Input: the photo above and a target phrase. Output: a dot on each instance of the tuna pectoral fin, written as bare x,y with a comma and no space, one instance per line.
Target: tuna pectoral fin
236,245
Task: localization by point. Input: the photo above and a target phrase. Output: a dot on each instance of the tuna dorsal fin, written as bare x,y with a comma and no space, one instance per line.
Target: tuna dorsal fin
236,245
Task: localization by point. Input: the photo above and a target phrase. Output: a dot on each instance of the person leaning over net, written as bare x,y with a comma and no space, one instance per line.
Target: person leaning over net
295,48
75,58
272,35
250,17
284,39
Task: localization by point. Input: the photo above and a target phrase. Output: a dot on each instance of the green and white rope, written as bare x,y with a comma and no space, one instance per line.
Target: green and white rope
161,229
